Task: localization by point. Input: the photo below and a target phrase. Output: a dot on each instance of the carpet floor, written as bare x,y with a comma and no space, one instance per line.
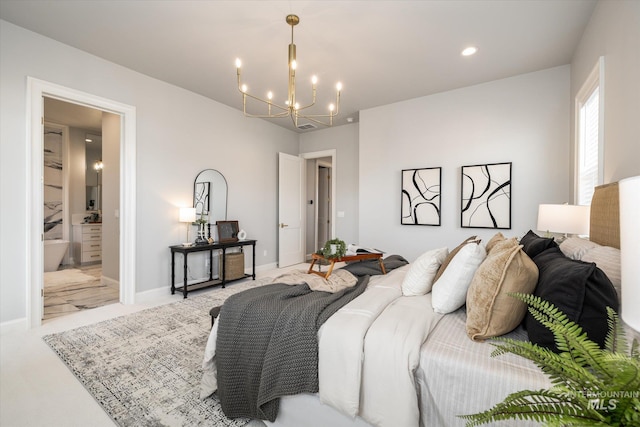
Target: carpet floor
145,368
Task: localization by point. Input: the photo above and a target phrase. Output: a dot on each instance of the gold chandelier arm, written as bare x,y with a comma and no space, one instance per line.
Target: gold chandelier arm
331,113
314,119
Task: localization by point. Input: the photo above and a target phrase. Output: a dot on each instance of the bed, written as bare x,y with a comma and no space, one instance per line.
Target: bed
400,354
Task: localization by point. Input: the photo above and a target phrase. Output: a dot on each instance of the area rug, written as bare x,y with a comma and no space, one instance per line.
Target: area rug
145,368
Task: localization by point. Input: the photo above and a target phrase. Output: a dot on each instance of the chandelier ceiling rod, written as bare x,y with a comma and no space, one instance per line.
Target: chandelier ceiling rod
291,108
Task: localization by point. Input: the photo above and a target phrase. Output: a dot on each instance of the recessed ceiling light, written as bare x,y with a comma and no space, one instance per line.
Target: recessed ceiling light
469,51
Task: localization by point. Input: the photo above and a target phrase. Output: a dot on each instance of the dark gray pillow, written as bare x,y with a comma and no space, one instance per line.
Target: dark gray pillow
579,289
532,244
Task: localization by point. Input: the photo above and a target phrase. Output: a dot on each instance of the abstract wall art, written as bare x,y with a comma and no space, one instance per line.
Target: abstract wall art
421,196
52,184
486,196
201,197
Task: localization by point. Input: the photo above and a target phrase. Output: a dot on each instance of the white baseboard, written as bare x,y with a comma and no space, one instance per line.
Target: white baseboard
109,281
11,326
263,267
152,295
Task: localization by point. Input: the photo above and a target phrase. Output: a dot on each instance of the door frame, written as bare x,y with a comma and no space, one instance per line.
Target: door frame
318,165
36,91
334,178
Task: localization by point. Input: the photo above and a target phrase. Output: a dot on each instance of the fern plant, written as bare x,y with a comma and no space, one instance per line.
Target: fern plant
590,386
334,249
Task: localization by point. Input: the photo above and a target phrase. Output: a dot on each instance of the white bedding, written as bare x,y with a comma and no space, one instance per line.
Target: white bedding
424,376
369,351
458,376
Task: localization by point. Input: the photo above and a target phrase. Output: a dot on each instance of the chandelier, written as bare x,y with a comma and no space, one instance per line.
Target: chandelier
291,107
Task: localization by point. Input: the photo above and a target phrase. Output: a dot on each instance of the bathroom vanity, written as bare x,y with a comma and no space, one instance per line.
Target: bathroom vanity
87,243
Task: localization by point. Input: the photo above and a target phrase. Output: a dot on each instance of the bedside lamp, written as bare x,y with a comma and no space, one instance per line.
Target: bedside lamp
629,189
567,219
188,215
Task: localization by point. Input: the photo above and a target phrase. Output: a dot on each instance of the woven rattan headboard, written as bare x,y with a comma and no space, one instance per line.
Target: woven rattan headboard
605,216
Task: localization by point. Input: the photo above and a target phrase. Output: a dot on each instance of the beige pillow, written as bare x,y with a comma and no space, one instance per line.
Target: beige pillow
498,237
490,311
453,253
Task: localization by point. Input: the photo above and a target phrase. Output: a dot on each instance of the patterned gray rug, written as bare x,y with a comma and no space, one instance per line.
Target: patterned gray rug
145,368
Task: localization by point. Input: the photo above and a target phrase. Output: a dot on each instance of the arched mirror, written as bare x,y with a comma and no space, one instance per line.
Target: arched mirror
210,196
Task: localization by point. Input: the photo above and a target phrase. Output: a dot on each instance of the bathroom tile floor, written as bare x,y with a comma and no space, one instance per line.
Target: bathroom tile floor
76,288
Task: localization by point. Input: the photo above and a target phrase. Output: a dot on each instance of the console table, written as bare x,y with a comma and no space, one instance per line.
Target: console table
186,250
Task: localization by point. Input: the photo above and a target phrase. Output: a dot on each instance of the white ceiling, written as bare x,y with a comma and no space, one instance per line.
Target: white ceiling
382,51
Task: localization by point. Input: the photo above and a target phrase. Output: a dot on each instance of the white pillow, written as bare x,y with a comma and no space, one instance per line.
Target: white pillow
576,247
608,260
449,292
419,278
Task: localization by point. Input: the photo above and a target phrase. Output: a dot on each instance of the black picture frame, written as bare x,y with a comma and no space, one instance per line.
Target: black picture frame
420,196
227,231
486,196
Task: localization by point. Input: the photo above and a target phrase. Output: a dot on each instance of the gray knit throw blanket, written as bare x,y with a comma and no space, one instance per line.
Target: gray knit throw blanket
267,345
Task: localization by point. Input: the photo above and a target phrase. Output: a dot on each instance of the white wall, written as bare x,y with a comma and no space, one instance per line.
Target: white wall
179,133
614,32
344,139
110,206
523,120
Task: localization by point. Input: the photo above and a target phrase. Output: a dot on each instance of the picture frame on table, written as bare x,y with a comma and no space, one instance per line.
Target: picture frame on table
227,231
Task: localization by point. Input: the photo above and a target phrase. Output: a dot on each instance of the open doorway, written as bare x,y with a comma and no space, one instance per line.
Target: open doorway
123,216
320,203
76,190
320,199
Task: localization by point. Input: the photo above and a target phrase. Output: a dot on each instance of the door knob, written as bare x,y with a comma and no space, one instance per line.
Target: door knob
282,225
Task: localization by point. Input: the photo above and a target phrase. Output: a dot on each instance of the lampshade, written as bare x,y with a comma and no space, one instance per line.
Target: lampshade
630,250
187,214
567,219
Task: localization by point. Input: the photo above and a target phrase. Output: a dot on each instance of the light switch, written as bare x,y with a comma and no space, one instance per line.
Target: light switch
340,214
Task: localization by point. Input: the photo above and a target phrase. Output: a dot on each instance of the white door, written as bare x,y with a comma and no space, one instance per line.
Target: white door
290,209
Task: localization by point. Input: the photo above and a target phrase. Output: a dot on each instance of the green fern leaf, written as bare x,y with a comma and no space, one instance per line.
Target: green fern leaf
591,386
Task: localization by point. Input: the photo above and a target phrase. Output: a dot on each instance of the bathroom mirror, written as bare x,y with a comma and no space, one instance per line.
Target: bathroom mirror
93,174
210,195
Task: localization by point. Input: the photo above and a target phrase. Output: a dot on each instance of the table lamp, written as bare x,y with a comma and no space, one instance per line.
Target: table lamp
188,215
629,189
566,219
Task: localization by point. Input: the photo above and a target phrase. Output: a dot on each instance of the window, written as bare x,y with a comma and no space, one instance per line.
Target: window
588,153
